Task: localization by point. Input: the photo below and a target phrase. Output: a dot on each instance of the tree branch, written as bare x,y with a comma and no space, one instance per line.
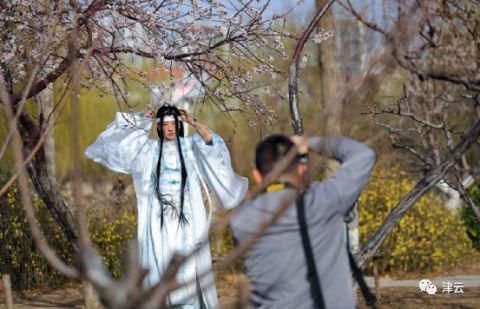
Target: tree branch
293,69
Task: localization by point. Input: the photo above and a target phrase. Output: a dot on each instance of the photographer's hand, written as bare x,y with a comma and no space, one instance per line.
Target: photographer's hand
301,142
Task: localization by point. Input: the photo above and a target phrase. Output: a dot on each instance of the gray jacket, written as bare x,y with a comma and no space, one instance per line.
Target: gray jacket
276,264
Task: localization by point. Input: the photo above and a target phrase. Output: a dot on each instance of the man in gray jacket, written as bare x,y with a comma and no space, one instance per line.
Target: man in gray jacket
301,261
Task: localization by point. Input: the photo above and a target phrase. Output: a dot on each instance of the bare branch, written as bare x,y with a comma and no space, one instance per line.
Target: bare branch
293,69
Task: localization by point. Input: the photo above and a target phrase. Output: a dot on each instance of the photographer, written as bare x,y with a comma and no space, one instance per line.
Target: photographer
301,261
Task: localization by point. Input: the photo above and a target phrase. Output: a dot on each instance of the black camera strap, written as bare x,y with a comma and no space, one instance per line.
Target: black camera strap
312,274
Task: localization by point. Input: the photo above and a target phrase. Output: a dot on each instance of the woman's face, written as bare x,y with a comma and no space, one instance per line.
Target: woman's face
169,130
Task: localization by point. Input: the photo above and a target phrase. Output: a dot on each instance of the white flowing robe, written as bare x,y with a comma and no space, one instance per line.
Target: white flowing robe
125,147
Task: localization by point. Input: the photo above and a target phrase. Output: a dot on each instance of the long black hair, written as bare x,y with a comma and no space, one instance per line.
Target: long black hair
170,110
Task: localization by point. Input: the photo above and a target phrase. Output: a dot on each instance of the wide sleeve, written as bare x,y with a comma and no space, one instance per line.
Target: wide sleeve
214,162
119,145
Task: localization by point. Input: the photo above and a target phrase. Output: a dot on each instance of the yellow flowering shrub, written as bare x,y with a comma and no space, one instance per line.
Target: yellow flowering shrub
428,238
110,228
18,256
110,232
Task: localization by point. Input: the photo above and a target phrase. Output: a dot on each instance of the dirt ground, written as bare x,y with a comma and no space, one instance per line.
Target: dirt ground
61,298
232,286
412,298
401,297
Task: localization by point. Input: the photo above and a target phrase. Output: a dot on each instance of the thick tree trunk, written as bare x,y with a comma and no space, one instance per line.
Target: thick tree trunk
45,185
327,63
45,107
332,110
425,184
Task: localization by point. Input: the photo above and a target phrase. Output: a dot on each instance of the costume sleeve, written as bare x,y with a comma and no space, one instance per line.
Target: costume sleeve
119,145
341,190
214,162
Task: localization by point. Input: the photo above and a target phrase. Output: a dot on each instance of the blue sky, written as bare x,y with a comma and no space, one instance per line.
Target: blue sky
304,11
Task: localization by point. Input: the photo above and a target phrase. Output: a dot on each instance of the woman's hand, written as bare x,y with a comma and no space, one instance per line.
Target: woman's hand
201,129
186,117
150,113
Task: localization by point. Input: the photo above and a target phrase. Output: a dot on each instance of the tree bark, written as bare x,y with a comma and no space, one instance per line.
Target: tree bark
45,108
327,63
91,299
7,287
43,183
425,184
297,122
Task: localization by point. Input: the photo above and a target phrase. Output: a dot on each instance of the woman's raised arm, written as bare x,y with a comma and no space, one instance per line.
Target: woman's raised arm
119,146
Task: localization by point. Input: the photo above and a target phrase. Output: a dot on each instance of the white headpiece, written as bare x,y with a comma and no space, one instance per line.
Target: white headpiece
168,118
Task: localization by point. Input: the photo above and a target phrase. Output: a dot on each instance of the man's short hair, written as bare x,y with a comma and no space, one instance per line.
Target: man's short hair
271,150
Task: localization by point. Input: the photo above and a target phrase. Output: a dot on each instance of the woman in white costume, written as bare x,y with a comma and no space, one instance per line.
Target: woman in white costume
168,175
